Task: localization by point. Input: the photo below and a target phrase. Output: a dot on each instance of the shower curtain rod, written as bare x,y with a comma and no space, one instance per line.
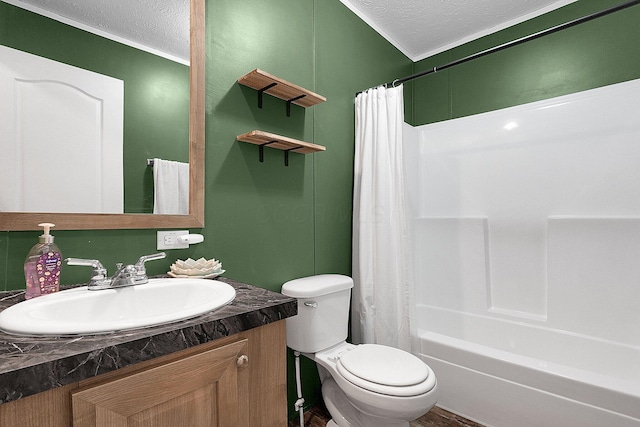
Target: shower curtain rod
515,42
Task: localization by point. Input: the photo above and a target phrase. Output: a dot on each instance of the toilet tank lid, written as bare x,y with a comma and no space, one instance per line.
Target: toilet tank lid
315,286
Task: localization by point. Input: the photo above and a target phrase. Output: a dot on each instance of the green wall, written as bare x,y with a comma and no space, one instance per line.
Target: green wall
267,223
156,92
270,222
593,54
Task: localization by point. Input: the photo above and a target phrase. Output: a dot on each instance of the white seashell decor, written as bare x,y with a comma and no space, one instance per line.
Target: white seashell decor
199,268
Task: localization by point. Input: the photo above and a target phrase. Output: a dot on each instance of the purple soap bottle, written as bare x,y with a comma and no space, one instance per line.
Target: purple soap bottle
42,266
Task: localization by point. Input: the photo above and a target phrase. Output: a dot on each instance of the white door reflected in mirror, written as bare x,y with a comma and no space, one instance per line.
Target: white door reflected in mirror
56,112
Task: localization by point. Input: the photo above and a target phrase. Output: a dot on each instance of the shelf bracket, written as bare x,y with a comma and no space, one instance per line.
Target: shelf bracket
261,91
289,104
261,149
286,154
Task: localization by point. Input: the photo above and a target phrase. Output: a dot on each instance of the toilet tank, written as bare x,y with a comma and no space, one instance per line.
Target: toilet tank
323,311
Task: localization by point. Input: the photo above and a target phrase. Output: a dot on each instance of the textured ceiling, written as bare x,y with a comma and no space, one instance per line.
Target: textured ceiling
421,28
158,25
418,28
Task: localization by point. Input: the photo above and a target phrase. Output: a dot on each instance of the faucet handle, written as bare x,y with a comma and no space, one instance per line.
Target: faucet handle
140,264
99,279
86,262
145,258
98,268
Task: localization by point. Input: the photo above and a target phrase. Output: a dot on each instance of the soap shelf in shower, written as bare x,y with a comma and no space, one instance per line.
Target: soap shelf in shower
265,139
267,83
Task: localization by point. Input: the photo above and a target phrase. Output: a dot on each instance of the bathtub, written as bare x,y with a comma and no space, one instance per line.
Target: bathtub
505,373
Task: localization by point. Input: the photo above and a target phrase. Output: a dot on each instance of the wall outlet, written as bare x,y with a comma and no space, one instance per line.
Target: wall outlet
169,239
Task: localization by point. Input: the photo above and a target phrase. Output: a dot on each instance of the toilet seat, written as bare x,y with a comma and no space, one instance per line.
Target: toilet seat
385,370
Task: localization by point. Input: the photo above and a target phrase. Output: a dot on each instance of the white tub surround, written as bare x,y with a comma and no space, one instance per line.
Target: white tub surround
526,227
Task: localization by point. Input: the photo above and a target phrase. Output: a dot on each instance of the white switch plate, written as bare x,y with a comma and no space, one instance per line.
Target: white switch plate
169,239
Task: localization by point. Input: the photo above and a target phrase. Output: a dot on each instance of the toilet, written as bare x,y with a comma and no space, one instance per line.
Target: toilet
367,385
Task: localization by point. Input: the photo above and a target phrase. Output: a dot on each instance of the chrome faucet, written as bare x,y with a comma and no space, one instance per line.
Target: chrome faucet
128,275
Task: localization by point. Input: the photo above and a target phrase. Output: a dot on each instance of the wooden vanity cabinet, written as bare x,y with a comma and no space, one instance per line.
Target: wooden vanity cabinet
236,381
203,390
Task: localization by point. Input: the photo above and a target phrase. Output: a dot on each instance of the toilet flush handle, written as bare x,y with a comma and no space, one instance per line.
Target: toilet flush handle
311,304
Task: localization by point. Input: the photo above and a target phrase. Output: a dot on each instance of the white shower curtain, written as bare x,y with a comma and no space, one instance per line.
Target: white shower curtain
381,297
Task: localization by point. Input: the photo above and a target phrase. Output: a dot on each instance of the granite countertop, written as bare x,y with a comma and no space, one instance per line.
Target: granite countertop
30,365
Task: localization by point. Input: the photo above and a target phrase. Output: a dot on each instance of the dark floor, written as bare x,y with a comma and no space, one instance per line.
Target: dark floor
318,417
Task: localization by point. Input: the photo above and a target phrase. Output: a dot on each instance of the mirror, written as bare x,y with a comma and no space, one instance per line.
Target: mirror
195,219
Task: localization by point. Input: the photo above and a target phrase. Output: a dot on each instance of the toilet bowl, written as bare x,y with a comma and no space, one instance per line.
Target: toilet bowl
367,385
389,387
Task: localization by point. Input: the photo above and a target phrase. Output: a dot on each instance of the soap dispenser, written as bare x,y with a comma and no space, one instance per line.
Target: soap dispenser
42,266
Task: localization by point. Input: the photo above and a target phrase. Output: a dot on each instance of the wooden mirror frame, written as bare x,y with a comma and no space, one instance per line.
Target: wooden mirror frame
10,221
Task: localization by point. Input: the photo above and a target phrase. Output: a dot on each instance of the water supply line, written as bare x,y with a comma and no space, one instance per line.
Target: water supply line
299,405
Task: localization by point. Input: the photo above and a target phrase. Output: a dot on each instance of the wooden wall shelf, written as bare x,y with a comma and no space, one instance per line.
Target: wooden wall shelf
271,140
264,82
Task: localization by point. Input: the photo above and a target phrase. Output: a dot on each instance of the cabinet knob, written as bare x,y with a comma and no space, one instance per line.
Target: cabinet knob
242,361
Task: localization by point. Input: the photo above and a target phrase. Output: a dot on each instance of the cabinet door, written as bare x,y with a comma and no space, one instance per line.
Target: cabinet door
203,390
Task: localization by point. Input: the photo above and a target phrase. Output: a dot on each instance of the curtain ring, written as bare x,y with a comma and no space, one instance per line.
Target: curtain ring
393,83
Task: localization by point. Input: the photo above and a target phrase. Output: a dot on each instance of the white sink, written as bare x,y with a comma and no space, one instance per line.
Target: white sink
81,311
